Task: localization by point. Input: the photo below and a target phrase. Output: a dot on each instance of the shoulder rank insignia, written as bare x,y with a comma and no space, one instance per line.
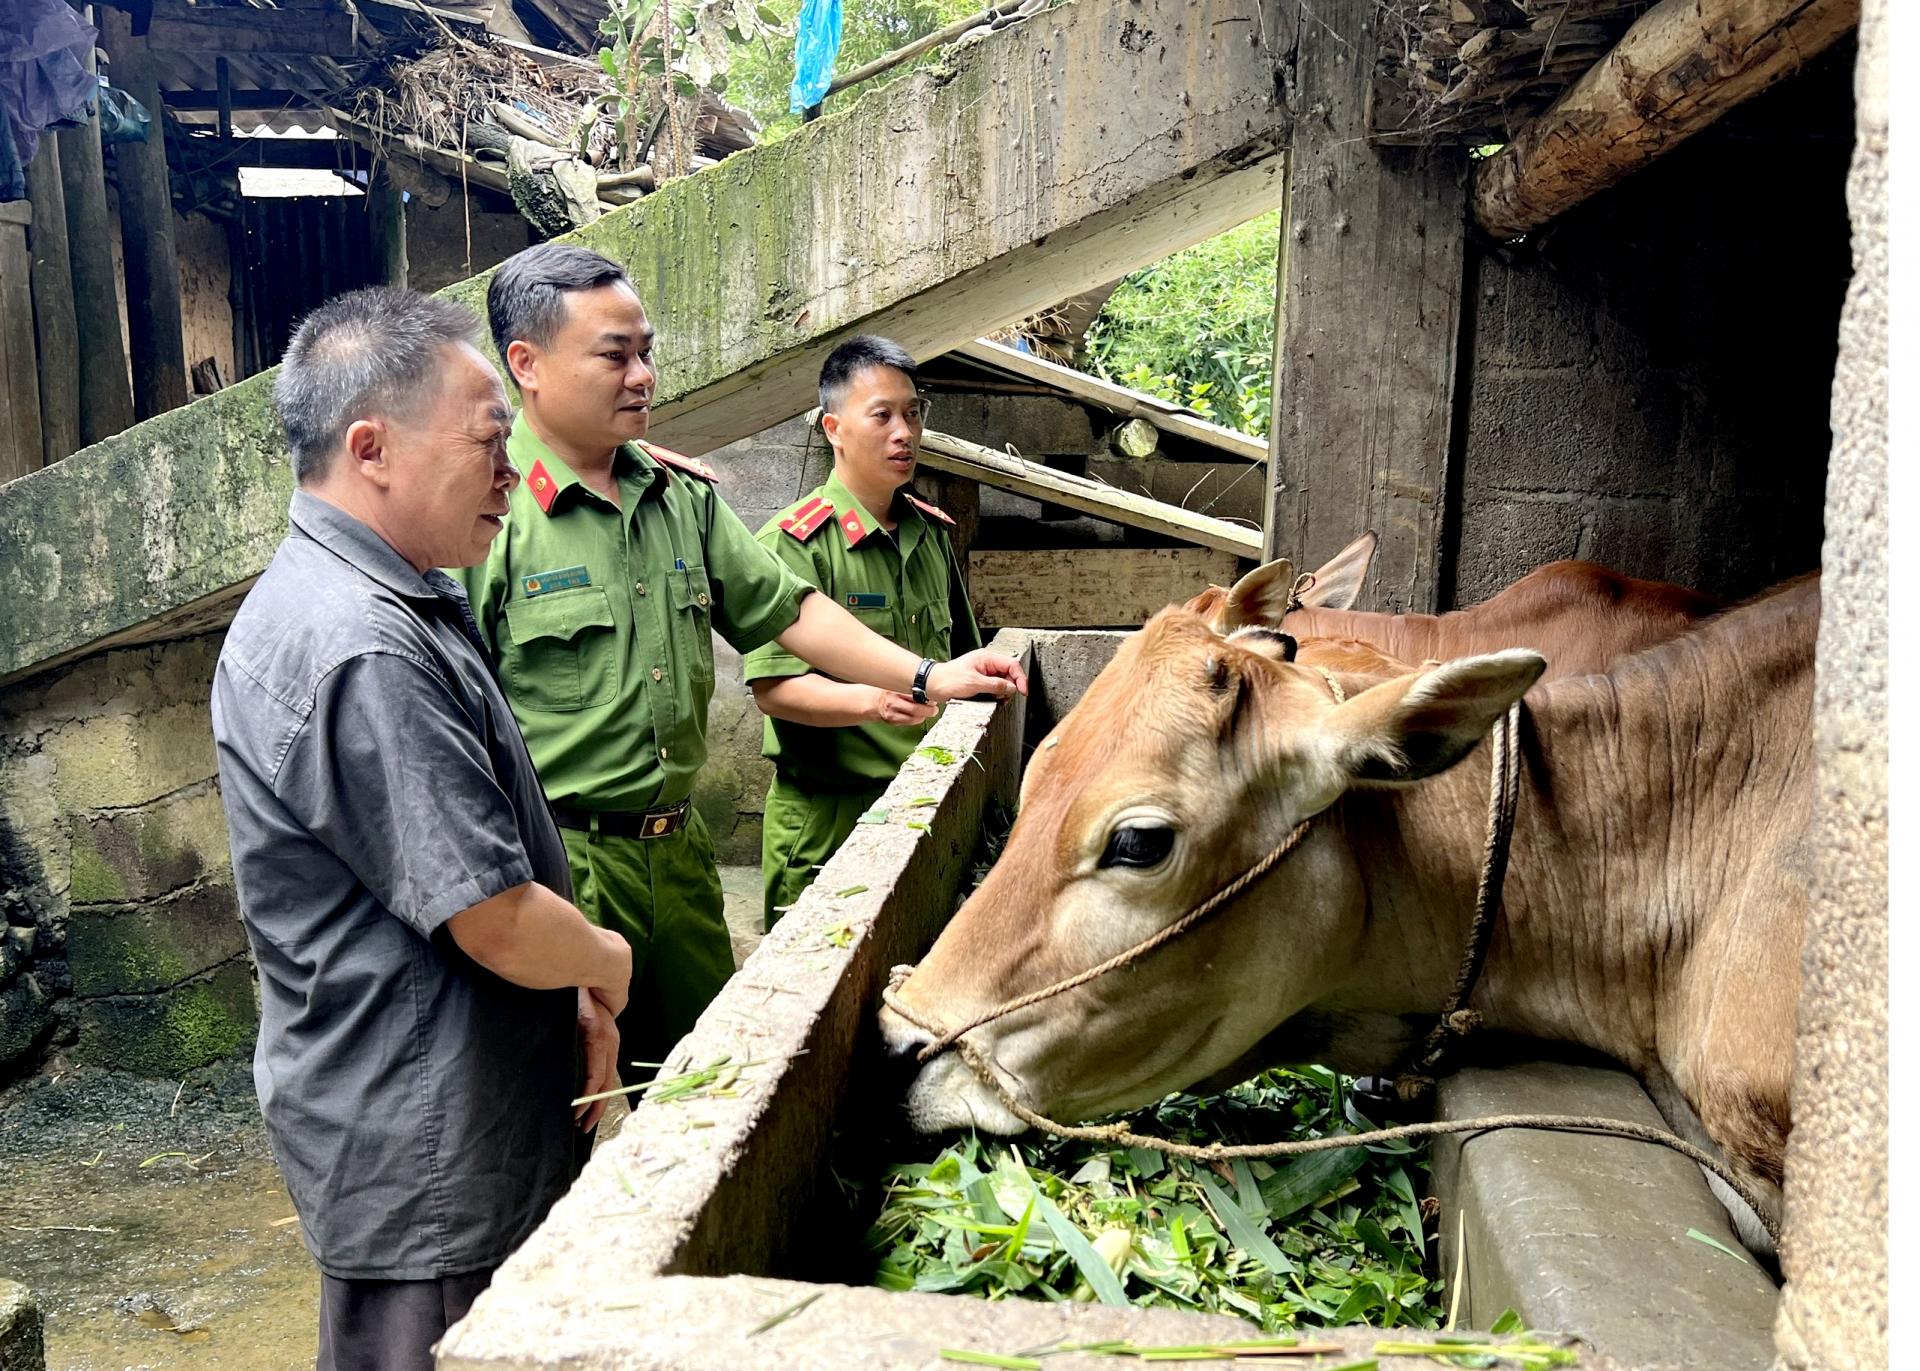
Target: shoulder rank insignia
931,511
807,518
542,487
853,527
693,466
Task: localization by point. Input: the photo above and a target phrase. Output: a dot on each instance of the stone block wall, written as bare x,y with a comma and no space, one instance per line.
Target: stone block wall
1646,382
123,942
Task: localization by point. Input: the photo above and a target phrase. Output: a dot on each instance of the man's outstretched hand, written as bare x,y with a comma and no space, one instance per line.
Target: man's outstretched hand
978,673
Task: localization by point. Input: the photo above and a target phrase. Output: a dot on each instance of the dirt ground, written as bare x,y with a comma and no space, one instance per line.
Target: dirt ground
149,1218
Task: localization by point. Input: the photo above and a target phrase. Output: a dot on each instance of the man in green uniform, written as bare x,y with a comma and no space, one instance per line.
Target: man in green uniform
598,602
868,542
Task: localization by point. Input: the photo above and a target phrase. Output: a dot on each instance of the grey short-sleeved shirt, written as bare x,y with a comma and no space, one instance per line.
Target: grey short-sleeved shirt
376,785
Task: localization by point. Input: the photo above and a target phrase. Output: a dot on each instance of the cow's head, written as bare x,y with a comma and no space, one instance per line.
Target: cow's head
1188,758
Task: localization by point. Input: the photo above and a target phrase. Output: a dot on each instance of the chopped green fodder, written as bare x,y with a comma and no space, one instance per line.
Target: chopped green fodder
1324,1239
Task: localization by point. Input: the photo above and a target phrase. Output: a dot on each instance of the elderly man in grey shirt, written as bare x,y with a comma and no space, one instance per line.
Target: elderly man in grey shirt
427,988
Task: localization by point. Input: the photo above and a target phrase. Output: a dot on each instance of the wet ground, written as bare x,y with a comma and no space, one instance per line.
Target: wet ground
150,1221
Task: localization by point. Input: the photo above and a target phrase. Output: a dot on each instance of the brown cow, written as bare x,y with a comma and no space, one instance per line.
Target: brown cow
1653,908
1579,615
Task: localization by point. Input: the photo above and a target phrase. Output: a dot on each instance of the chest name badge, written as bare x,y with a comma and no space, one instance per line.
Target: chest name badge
867,600
546,582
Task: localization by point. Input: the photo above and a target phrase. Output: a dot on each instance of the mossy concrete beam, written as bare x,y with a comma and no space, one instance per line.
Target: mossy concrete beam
1051,158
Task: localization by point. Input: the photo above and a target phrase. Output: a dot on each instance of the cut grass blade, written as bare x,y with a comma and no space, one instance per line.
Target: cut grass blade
775,1320
1246,1234
1698,1236
1093,1268
990,1359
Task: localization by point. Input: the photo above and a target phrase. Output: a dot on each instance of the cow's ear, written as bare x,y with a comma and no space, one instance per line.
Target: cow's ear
1337,584
1260,597
1416,726
1211,605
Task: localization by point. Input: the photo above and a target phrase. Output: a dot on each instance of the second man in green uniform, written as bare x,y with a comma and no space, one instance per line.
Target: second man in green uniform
874,547
618,562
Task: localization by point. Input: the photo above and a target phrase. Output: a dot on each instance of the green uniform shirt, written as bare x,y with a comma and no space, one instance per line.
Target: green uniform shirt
599,617
905,586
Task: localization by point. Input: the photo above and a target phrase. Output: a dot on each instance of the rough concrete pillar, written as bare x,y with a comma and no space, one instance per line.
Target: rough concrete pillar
22,1339
1833,1312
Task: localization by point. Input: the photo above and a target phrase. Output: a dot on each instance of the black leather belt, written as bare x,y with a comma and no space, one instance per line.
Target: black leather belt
652,823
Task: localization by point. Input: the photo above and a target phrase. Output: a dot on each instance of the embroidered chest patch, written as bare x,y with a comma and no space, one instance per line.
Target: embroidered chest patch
546,582
867,600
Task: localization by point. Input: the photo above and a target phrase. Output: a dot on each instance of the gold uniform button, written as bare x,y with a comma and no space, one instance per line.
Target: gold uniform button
913,618
656,673
663,754
701,600
640,587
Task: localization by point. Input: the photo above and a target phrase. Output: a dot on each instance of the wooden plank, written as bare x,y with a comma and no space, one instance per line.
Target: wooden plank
20,449
388,228
155,332
1091,587
55,331
179,27
1371,266
1167,417
1682,65
943,452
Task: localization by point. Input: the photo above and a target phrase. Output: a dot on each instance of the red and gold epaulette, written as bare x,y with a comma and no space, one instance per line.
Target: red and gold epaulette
807,518
853,527
542,487
931,511
693,466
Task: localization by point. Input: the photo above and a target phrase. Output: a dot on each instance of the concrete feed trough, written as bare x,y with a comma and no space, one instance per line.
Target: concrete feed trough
710,1232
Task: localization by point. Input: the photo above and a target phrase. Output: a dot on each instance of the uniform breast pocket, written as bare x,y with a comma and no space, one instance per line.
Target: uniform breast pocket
562,650
936,631
693,621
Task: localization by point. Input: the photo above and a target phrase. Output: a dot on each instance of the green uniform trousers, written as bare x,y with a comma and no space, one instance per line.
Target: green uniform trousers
663,896
800,830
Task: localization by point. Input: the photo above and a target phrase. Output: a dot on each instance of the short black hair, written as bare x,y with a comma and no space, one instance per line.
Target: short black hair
855,356
377,351
525,299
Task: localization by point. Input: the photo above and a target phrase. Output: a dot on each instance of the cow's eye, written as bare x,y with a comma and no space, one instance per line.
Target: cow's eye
1138,846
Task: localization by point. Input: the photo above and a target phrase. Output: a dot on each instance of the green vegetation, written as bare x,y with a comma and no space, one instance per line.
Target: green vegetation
762,72
1196,328
1325,1239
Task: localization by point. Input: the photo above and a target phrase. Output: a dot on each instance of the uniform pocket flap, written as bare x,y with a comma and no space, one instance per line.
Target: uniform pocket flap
690,589
558,615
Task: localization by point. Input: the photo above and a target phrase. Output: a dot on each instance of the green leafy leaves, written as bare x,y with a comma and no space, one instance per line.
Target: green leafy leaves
1331,1237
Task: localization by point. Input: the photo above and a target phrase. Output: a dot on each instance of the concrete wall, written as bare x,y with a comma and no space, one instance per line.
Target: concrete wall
1646,381
437,252
1833,1313
123,943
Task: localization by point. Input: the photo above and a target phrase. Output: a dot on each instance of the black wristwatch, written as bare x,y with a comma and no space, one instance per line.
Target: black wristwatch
920,681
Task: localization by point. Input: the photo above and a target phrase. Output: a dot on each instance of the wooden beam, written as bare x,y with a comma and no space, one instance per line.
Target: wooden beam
57,334
1682,65
389,226
944,452
201,101
106,399
1090,587
1163,415
1371,265
1222,490
155,334
20,448
566,24
179,27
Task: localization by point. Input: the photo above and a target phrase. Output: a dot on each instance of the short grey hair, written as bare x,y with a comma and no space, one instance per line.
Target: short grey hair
527,297
368,353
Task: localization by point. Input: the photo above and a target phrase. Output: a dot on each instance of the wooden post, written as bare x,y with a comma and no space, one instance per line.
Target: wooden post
236,226
1371,260
20,403
54,327
154,329
387,210
106,400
